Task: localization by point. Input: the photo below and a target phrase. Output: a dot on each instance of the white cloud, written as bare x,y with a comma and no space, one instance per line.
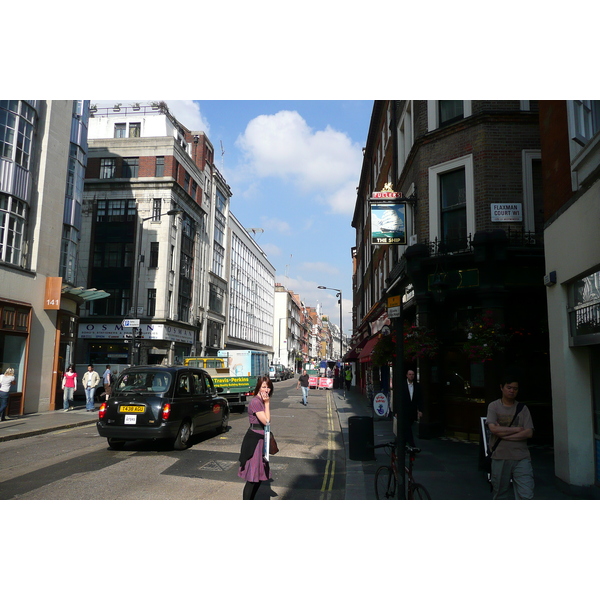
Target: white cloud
320,267
343,200
274,225
284,146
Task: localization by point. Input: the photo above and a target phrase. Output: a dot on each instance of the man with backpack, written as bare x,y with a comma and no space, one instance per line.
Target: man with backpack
511,426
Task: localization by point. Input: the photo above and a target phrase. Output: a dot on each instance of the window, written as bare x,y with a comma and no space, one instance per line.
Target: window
451,202
12,227
533,207
113,254
120,130
135,129
16,131
68,254
115,211
156,209
151,303
107,168
405,136
584,310
153,255
453,196
445,112
215,299
130,167
584,117
159,169
117,304
450,111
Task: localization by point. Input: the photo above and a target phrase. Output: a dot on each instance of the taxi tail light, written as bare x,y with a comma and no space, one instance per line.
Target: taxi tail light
102,411
166,411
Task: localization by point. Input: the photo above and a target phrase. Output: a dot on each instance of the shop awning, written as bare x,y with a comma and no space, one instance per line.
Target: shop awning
365,353
81,294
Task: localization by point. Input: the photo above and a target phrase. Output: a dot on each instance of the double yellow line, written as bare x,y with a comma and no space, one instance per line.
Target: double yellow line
329,476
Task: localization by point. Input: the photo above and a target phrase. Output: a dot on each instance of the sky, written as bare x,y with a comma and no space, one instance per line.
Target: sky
293,168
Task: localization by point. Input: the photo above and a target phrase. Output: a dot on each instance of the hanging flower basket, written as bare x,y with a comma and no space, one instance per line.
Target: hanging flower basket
485,337
419,342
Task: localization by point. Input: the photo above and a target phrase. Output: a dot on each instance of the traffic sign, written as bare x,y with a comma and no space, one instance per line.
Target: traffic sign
130,323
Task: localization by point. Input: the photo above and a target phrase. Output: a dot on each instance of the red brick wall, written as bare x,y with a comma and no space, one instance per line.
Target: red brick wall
556,172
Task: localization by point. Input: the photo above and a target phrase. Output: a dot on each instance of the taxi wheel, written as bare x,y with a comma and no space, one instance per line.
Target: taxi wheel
116,444
183,436
224,423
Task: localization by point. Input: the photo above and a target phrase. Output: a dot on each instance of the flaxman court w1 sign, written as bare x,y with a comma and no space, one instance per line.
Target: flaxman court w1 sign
508,212
388,217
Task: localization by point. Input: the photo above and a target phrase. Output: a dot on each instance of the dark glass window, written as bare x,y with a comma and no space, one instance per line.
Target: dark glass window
450,111
453,199
153,255
160,166
130,167
151,304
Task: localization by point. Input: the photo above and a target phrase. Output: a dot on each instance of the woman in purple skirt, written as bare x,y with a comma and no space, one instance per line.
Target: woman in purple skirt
253,467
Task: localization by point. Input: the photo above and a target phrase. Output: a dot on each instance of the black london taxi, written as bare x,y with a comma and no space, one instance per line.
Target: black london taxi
153,402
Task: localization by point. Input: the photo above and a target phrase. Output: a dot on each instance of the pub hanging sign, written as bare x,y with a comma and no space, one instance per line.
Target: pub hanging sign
388,217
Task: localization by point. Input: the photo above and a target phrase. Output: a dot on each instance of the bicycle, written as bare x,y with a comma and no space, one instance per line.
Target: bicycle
386,477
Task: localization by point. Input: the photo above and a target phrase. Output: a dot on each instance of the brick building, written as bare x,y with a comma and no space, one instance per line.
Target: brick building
469,174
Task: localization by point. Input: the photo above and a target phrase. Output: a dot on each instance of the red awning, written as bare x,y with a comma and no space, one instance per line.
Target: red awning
365,353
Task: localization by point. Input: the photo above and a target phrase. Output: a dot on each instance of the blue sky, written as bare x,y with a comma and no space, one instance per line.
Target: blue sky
293,168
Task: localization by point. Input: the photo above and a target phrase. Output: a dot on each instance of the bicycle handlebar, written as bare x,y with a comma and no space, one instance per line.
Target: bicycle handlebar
409,449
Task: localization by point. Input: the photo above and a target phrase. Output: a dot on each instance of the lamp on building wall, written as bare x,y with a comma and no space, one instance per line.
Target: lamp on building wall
338,295
134,360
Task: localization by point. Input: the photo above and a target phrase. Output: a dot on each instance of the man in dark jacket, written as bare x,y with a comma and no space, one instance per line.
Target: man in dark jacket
413,406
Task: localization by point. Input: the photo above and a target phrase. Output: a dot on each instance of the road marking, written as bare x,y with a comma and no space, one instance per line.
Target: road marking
329,476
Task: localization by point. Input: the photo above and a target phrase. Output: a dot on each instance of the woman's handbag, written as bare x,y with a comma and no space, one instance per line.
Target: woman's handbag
273,447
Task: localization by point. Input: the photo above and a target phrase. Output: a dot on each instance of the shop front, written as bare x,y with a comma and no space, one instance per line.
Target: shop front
15,326
111,344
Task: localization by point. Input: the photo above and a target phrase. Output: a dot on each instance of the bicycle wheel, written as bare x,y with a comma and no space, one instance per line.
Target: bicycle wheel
418,492
385,484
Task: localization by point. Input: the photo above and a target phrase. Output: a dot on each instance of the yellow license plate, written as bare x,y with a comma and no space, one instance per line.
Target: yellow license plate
132,409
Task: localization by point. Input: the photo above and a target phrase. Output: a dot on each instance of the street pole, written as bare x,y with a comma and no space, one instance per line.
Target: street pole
400,399
341,328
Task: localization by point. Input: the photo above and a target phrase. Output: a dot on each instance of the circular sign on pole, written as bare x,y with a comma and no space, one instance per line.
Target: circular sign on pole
381,405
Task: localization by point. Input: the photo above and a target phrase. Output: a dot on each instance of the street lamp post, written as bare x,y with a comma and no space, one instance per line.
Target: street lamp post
140,260
338,295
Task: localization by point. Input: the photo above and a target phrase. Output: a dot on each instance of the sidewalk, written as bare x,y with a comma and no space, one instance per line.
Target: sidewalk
38,423
448,468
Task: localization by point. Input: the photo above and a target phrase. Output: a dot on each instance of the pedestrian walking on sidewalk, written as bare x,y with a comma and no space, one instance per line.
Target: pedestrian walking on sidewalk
69,384
413,406
253,466
303,383
511,426
348,377
6,381
107,381
90,381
